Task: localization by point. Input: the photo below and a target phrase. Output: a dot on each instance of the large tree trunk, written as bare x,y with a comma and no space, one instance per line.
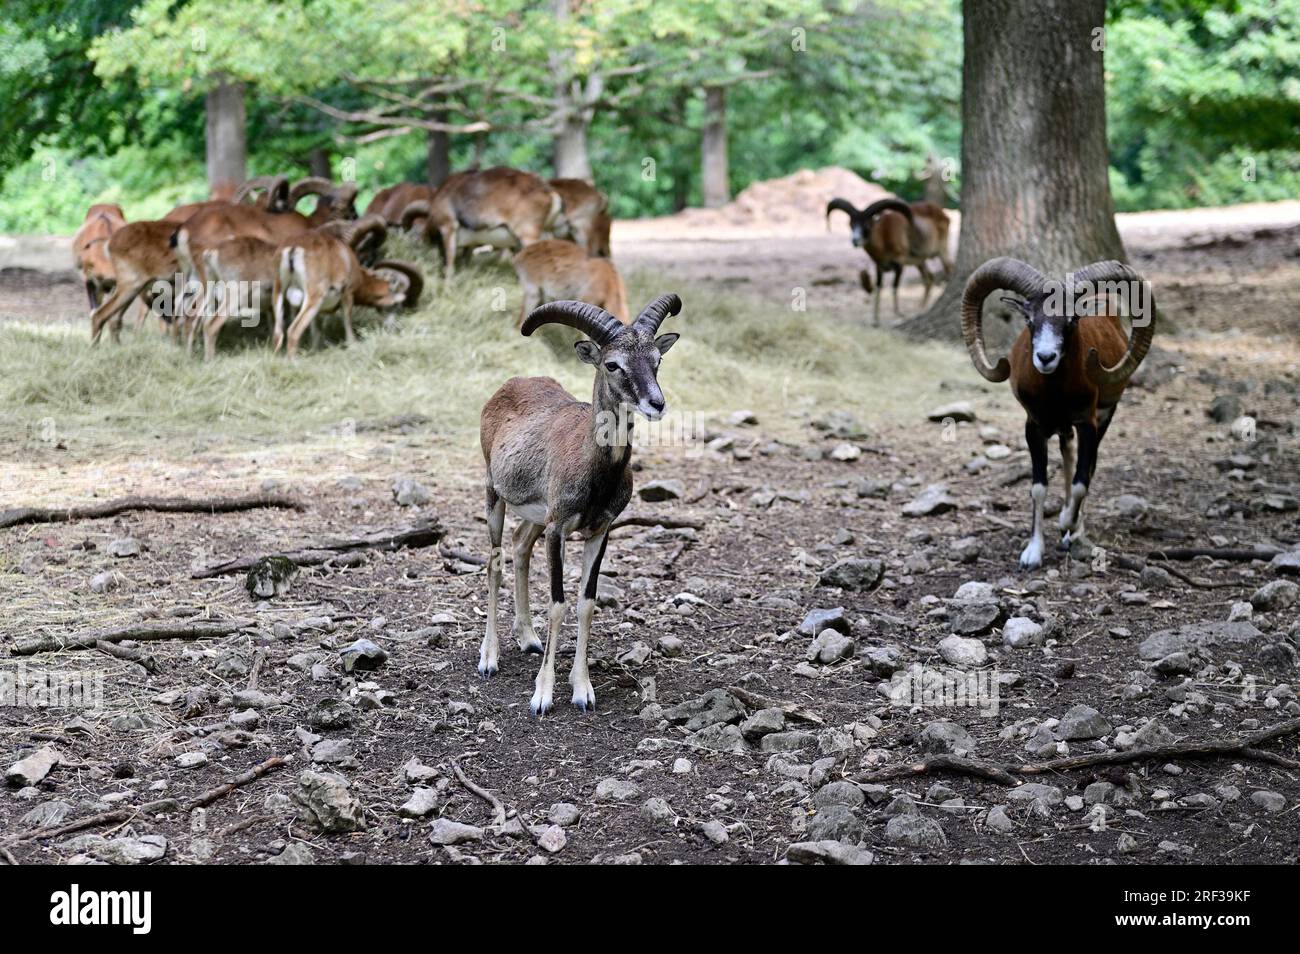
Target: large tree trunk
438,157
569,148
714,176
1035,179
227,153
318,162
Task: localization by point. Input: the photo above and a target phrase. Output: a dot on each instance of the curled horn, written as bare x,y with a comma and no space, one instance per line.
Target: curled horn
887,205
654,314
419,209
408,270
1144,325
842,205
594,322
1009,273
272,185
341,199
369,229
312,185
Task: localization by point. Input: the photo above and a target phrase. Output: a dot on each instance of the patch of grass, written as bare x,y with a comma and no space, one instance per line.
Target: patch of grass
444,359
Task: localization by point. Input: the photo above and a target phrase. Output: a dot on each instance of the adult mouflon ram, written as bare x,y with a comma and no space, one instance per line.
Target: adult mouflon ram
1068,368
562,466
894,234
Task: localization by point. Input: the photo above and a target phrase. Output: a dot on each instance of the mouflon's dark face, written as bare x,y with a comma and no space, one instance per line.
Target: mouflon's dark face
629,369
1049,334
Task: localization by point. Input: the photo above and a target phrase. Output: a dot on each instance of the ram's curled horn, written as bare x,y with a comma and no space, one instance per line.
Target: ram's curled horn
1008,273
887,205
312,185
408,270
419,209
367,230
1143,322
841,205
271,184
654,314
594,322
343,196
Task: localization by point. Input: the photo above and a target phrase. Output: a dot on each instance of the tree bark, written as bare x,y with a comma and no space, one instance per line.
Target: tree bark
1035,170
438,162
569,148
714,176
227,152
318,162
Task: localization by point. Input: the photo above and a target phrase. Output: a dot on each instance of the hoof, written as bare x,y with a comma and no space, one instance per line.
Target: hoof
487,670
532,649
540,709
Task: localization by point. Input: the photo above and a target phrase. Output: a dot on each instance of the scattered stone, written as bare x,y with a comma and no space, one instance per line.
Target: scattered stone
975,591
975,619
1126,844
564,813
46,813
191,760
1082,722
131,851
965,550
1271,802
32,769
444,831
828,852
914,831
617,790
1225,409
1150,736
1276,595
1197,635
763,722
294,854
745,418
853,573
409,493
831,646
1035,792
106,582
721,738
962,411
839,793
657,491
657,811
930,502
715,706
946,737
997,820
423,801
1175,664
962,652
363,655
270,576
1020,632
715,831
552,839
682,766
325,802
670,646
330,714
1130,506
123,547
820,619
835,823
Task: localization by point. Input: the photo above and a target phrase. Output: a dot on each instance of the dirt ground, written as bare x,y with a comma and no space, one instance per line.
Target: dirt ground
688,612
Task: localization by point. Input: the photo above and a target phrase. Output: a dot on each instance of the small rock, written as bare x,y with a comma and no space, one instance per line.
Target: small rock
409,493
190,760
763,722
1224,409
552,839
852,573
330,714
617,790
915,831
975,619
715,831
946,737
423,801
998,820
657,811
962,411
829,852
444,831
657,491
932,501
131,851
846,452
294,854
962,652
325,802
819,619
1020,632
1276,595
1082,722
831,646
563,813
32,769
123,547
363,655
1271,802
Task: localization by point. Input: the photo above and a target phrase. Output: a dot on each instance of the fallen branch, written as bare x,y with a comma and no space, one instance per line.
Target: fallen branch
130,655
111,508
463,555
121,815
1137,566
755,701
1219,553
498,809
142,632
1004,773
424,534
668,523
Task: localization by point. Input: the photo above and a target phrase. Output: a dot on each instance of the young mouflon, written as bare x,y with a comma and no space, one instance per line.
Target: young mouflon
1068,368
562,466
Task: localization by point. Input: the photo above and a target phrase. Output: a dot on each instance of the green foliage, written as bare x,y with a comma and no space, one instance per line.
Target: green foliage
1204,103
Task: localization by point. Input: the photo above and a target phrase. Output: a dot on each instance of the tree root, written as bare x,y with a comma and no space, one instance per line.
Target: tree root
498,809
1005,773
111,508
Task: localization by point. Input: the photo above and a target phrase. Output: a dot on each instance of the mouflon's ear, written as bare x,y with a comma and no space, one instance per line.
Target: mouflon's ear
588,351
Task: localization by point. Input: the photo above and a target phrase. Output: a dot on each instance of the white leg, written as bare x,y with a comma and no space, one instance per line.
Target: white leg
584,695
526,535
1072,515
544,689
1031,558
489,653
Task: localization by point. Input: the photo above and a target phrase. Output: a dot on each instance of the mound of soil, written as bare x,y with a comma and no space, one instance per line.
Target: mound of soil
793,203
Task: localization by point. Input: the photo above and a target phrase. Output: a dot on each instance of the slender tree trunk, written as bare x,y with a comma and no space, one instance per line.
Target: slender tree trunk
226,153
570,149
1035,178
714,175
318,162
438,153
